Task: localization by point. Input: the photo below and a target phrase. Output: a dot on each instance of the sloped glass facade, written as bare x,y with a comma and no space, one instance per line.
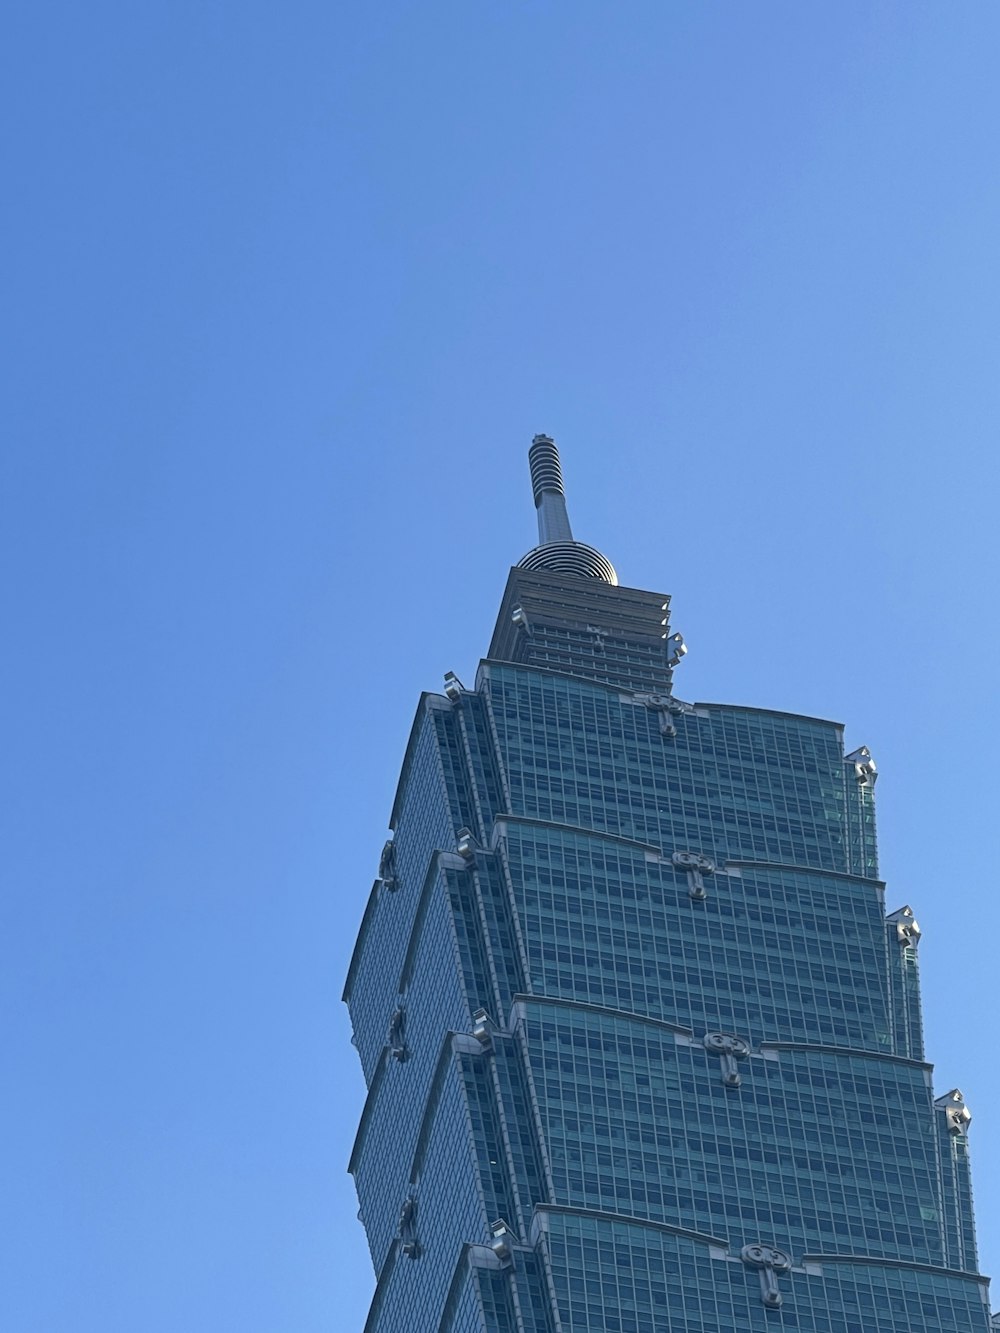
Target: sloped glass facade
642,1045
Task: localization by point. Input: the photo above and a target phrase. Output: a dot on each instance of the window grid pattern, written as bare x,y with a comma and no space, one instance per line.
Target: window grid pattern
862,843
622,1278
524,1155
482,758
601,657
450,1213
464,1311
817,1150
773,954
497,1295
809,1150
904,996
425,825
487,1135
956,1194
732,784
499,918
457,778
469,935
536,1307
434,1004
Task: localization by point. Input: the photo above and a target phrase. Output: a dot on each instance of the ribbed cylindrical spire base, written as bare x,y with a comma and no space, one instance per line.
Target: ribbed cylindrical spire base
546,470
556,549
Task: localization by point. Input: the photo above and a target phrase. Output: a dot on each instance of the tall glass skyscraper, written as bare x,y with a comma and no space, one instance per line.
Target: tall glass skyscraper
643,1047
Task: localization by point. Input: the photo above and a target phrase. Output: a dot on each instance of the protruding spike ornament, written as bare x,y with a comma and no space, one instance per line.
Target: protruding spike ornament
557,550
865,768
907,931
769,1262
957,1114
676,649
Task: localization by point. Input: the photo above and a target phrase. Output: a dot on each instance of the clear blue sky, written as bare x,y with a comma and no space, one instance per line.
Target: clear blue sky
288,291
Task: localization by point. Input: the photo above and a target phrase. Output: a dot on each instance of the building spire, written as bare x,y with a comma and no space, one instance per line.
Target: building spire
556,549
550,497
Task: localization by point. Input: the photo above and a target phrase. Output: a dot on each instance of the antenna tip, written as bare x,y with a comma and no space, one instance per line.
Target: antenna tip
546,470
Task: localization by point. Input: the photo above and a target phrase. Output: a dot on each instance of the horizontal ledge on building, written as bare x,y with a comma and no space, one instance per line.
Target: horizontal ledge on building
627,1014
627,1219
790,867
644,699
769,712
911,1265
536,668
486,662
578,830
857,1052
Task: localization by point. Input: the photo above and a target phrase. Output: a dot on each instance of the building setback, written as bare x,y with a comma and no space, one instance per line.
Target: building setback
643,1048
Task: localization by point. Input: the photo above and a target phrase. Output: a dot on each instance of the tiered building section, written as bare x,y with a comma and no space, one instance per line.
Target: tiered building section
643,1048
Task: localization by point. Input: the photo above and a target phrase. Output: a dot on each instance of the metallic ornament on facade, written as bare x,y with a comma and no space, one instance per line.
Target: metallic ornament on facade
387,866
466,845
668,728
408,1227
502,1242
769,1262
667,707
729,1049
482,1028
663,706
865,768
957,1114
676,649
907,931
697,867
599,637
397,1030
570,558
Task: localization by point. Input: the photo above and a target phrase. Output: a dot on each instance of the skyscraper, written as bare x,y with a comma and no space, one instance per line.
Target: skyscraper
643,1047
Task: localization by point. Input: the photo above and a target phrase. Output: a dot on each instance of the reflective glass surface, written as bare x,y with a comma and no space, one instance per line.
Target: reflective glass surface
643,1049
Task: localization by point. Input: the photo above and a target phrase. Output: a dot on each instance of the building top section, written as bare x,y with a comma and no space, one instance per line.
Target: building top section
556,549
555,620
